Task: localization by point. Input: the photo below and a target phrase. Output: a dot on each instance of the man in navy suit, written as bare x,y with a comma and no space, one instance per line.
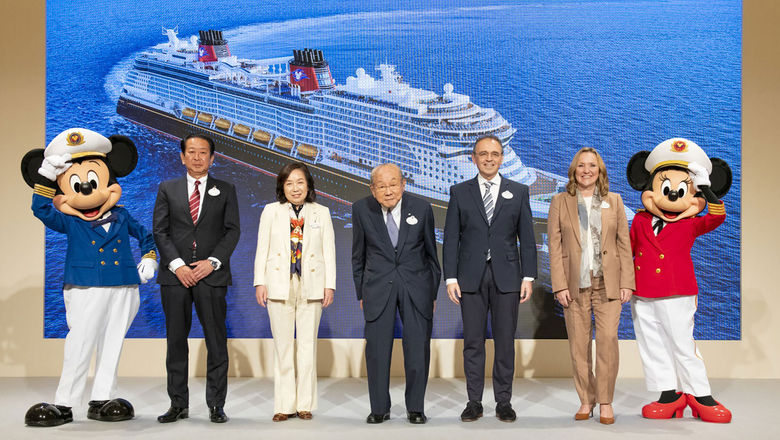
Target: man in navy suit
196,227
486,271
395,267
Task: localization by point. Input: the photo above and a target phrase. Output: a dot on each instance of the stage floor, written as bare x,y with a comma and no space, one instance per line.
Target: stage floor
545,409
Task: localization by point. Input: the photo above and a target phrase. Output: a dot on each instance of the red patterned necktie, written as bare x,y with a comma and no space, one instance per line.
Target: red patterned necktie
195,202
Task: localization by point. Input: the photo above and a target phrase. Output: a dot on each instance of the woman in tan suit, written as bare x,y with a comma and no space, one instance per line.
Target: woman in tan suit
592,274
295,276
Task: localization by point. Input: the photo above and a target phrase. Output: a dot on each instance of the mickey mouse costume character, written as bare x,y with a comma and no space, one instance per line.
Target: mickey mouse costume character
75,192
677,180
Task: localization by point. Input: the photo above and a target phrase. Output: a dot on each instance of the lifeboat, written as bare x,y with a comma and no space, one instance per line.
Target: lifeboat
205,118
222,124
241,130
261,136
308,151
284,143
188,113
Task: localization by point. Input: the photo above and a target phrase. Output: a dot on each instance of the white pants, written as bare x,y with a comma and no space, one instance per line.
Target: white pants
664,335
295,317
98,317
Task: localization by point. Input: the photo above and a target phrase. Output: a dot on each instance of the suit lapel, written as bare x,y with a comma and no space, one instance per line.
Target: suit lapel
375,213
607,212
648,230
204,194
307,213
574,217
499,199
476,192
403,228
180,188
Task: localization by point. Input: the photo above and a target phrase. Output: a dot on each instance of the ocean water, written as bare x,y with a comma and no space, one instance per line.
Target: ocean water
619,76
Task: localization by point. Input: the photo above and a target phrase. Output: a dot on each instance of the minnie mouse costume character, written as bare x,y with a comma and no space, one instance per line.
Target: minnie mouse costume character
75,192
677,180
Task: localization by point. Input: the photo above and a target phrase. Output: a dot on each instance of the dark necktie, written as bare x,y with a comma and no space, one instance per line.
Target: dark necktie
658,225
392,229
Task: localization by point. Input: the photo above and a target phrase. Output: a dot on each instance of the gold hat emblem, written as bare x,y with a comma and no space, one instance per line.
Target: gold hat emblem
75,138
679,147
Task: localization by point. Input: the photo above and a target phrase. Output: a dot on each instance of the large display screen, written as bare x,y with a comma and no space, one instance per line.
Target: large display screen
404,82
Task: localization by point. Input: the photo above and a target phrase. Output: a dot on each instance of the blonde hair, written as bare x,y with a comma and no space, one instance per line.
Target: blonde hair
602,181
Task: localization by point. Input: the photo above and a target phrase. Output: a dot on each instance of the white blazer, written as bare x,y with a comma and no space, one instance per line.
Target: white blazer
318,258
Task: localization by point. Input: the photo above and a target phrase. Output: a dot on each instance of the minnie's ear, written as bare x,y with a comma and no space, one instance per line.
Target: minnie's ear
720,177
123,156
637,175
30,164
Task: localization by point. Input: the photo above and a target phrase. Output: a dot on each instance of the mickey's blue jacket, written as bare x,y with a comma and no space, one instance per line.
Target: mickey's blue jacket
95,257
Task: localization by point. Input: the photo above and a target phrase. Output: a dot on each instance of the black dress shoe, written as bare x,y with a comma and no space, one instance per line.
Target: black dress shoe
45,415
472,412
217,415
377,418
417,418
173,414
505,413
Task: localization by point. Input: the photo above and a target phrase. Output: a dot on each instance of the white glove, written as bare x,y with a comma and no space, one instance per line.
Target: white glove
146,269
53,166
699,175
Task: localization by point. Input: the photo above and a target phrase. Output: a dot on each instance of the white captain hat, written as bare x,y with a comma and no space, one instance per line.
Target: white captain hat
78,142
677,152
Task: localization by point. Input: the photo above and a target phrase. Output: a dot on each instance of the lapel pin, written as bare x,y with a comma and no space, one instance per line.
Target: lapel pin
411,220
604,204
214,191
507,195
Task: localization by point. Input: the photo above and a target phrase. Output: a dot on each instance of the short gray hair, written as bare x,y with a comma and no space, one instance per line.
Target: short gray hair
482,138
385,165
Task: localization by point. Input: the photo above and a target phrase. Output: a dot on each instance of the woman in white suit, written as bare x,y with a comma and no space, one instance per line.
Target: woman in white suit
295,277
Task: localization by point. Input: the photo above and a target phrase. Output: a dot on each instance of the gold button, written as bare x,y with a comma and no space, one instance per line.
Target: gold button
115,250
312,270
658,270
93,241
118,240
100,250
661,256
278,254
312,255
637,268
640,254
116,263
102,263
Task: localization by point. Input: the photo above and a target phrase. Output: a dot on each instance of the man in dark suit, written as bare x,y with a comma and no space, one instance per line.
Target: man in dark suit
395,267
484,271
196,228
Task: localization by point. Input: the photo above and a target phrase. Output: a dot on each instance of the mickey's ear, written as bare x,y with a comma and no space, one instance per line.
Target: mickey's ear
30,164
123,156
720,177
637,175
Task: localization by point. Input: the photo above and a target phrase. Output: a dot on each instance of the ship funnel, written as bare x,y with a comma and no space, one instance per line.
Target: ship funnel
212,46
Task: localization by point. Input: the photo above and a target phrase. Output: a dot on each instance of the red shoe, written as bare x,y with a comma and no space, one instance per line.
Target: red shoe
670,410
714,414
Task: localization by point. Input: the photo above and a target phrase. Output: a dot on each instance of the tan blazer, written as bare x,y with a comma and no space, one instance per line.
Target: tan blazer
318,259
563,237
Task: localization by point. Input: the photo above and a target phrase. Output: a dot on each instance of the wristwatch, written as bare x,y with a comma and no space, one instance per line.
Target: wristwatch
214,264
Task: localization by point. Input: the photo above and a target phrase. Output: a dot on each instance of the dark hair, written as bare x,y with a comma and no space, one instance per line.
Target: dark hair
482,138
183,143
285,172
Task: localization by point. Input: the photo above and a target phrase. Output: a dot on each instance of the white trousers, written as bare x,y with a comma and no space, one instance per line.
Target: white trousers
299,317
98,318
664,335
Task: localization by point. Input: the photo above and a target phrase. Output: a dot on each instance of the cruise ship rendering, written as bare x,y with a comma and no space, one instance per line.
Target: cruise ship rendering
268,112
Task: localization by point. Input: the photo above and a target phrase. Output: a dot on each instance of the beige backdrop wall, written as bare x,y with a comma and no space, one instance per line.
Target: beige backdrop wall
24,351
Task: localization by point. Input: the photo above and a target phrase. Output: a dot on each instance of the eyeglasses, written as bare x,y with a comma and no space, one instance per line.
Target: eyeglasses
383,188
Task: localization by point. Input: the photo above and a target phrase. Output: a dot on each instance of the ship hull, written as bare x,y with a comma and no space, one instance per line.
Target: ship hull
342,186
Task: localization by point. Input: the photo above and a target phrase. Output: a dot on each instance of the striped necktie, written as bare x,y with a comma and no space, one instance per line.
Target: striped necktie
195,202
487,199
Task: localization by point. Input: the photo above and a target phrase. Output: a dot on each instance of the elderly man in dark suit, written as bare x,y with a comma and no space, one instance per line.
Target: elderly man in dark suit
486,271
196,228
395,267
